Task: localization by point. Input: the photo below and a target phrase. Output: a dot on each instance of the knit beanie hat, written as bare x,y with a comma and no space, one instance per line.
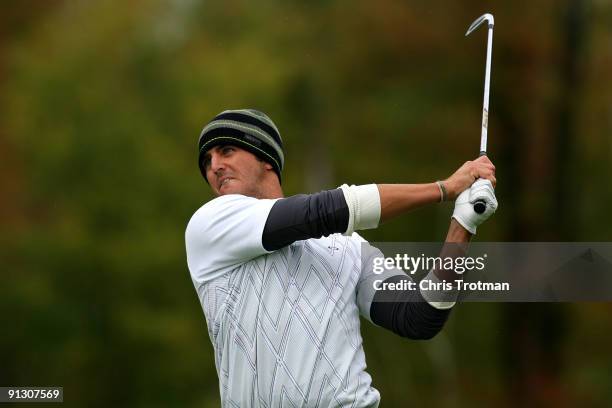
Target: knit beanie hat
246,128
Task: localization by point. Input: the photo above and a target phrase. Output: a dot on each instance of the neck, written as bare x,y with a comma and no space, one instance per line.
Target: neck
270,190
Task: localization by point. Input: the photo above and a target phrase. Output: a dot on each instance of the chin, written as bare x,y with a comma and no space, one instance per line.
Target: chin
230,189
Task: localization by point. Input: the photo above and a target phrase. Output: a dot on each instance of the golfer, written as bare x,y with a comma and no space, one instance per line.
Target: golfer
283,280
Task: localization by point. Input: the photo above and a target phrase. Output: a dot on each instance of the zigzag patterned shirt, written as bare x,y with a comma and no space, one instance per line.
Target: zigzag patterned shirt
285,324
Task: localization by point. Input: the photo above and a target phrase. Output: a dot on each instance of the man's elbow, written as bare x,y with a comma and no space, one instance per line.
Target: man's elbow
410,318
422,321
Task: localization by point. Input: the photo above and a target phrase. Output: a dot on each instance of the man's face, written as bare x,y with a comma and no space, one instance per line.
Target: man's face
232,170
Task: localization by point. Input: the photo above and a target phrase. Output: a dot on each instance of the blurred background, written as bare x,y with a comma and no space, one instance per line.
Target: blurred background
101,106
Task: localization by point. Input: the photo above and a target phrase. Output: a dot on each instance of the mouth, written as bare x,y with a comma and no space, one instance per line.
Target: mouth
224,181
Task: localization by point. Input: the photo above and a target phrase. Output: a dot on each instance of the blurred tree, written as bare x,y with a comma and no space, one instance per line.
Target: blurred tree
533,350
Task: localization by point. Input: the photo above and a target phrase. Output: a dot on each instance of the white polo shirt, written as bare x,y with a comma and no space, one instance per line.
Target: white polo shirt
285,324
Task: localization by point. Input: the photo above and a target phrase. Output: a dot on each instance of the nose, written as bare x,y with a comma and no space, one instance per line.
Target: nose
216,162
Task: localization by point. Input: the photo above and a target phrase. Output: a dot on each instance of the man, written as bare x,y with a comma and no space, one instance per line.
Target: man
282,281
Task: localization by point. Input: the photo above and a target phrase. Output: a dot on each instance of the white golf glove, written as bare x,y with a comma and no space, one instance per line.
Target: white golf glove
464,213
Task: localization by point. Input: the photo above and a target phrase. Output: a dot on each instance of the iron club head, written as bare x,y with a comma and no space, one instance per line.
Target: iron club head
485,17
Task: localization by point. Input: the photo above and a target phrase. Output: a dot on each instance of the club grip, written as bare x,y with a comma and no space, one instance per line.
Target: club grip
480,206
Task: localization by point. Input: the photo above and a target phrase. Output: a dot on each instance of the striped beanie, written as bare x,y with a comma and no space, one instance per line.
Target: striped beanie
246,128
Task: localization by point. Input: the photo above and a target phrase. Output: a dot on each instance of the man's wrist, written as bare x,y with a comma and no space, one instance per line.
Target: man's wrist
451,190
457,233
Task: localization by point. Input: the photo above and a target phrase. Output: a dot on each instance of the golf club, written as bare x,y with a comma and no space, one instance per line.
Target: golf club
480,206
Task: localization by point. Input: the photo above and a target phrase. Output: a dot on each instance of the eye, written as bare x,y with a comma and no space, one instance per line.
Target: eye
228,149
206,161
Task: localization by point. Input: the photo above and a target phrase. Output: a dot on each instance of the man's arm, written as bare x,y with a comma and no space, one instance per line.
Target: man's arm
305,216
397,199
353,208
456,245
416,315
421,314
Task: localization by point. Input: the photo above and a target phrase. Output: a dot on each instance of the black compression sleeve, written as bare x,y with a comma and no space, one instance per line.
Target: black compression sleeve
305,216
406,312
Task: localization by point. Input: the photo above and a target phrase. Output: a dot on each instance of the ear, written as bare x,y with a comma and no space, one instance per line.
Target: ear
268,166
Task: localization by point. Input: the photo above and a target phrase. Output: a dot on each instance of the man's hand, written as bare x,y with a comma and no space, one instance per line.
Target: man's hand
467,174
464,205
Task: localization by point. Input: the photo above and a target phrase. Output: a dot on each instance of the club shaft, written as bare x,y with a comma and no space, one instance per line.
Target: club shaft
485,102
